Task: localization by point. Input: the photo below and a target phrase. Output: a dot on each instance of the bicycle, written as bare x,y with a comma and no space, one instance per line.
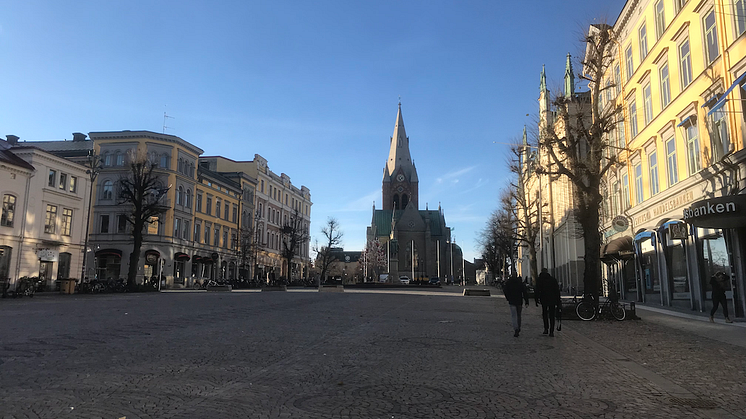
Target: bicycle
588,309
204,284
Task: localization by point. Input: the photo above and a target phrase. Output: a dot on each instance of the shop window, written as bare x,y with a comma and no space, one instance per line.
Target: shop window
713,257
63,268
9,210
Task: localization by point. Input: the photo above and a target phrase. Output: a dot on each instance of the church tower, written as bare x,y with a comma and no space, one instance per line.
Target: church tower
400,182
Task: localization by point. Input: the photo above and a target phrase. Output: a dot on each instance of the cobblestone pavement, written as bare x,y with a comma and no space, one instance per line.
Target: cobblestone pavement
348,355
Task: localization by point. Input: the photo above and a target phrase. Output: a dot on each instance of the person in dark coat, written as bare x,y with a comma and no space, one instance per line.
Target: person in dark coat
719,285
515,292
547,293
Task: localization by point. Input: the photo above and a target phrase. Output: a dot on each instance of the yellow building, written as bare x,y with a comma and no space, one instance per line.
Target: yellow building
678,76
276,200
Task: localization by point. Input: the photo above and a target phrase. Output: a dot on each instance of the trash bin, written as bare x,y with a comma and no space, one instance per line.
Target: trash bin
67,286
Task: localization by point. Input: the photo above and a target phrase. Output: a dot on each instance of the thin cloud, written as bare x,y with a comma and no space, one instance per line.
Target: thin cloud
453,176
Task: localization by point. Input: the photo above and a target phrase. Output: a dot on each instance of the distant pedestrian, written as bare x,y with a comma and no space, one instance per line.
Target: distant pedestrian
548,294
719,285
515,292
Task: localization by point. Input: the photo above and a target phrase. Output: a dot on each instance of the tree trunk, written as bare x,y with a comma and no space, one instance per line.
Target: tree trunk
592,245
532,262
134,256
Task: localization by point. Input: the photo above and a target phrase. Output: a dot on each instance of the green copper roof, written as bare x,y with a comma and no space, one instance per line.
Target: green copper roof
569,79
382,221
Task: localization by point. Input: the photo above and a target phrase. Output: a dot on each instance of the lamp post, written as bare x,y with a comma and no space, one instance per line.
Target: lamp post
94,166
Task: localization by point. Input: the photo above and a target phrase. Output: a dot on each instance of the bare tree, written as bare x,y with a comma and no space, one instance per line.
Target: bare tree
577,145
144,193
294,235
498,239
526,211
373,259
333,237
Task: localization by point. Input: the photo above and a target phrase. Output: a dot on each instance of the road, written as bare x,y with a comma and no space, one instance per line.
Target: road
357,354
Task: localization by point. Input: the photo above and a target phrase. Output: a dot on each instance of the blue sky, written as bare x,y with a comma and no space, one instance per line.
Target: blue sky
312,86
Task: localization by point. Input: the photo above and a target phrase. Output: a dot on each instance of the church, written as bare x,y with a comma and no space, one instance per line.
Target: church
418,242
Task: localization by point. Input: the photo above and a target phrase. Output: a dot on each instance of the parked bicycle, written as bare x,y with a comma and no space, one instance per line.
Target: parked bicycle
27,286
588,309
204,284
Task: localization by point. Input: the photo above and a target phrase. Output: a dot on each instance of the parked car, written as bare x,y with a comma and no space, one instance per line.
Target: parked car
434,281
404,279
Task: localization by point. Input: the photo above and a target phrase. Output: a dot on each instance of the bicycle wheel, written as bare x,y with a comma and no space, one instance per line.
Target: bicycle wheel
585,310
618,311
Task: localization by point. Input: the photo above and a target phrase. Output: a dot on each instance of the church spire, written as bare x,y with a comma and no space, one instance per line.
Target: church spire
569,79
542,80
399,156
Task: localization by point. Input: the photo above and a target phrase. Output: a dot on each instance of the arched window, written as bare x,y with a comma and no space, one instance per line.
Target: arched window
9,210
108,190
179,194
396,201
107,159
188,202
120,159
404,201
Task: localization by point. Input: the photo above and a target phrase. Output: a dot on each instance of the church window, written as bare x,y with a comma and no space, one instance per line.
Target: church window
396,201
404,201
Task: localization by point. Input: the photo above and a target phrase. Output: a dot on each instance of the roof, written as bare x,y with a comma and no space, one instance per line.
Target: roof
7,156
382,221
59,145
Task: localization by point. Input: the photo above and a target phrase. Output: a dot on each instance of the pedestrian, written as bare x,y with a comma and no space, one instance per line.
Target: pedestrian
515,292
548,294
719,284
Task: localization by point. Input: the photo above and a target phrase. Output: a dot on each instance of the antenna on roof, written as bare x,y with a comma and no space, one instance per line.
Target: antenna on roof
164,121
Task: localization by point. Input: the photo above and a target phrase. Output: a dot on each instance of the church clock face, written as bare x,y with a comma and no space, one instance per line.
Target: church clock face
400,178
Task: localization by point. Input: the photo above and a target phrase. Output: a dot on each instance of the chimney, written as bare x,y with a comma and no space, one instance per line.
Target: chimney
12,139
78,136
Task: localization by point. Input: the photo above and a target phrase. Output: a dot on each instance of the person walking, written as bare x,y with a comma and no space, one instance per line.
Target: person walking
515,292
548,294
719,284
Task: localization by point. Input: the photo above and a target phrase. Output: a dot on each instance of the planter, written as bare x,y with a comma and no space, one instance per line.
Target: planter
277,288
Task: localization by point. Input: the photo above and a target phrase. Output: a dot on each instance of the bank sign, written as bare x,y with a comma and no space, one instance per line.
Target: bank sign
722,212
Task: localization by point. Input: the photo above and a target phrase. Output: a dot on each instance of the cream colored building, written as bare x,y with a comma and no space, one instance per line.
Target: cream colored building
679,77
45,203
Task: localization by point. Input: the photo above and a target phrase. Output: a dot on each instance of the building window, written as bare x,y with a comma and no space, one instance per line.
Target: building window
177,228
692,149
718,127
617,78
179,194
199,202
121,223
615,199
108,190
647,104
638,183
73,184
188,200
107,159
740,14
625,191
711,38
120,159
52,178
629,61
262,185
233,240
685,59
235,213
9,210
671,167
164,161
208,205
154,225
653,163
633,119
185,231
104,224
207,234
63,181
679,4
50,221
225,211
665,86
660,19
643,42
225,238
67,221
217,208
197,232
216,236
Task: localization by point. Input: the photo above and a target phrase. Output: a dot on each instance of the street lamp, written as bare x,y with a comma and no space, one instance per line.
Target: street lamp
94,166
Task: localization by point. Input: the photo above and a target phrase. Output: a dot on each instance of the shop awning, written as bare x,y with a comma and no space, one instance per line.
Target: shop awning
621,248
688,120
203,259
723,212
719,104
181,257
109,252
152,252
644,235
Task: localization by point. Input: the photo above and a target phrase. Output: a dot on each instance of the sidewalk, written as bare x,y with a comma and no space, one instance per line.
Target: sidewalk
698,324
